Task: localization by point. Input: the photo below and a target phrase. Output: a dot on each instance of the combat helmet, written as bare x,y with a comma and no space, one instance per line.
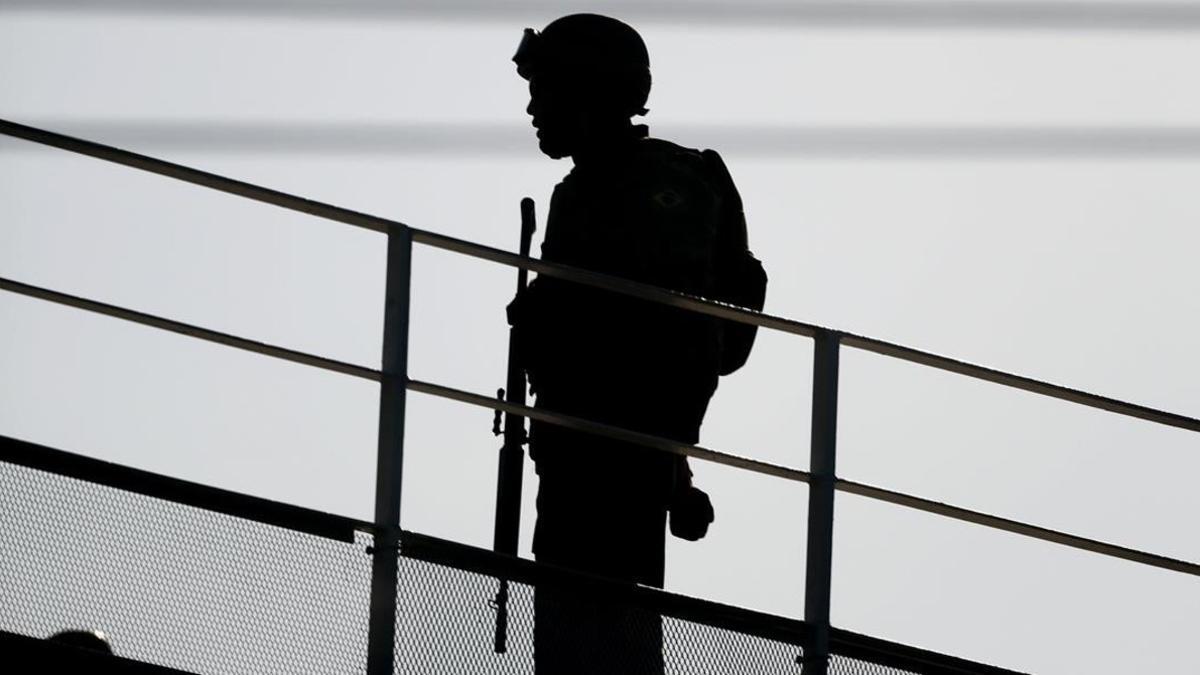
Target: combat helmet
597,52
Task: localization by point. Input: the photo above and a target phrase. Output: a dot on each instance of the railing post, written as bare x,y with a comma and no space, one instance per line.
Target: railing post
820,500
381,634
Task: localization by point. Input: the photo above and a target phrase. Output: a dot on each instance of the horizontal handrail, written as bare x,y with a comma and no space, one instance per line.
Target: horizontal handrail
1021,382
741,315
617,433
196,177
620,285
1017,527
609,431
797,475
606,282
179,491
189,330
303,358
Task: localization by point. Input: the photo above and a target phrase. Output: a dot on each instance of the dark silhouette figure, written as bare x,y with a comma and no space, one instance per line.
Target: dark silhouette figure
650,211
92,640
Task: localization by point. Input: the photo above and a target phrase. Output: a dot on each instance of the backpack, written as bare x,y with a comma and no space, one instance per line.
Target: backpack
739,277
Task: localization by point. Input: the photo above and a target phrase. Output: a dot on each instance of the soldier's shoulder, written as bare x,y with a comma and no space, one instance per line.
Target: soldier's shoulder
675,158
667,160
658,147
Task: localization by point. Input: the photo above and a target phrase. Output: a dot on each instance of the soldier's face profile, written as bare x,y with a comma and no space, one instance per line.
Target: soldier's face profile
557,115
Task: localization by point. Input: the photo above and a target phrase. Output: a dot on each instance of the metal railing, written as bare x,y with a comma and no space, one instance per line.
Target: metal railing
394,381
51,489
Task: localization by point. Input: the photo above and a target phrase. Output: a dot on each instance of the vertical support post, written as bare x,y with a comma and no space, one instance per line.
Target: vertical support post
822,467
381,634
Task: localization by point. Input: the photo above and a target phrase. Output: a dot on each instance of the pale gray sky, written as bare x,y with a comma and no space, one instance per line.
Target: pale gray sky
1079,271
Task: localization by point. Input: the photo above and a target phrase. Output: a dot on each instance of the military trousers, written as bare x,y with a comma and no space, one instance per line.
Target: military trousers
609,521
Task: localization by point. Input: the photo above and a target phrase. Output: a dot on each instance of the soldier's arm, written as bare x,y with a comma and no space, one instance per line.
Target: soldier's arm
683,473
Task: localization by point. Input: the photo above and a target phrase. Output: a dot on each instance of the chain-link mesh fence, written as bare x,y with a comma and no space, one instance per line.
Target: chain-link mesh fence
582,632
176,585
452,598
197,588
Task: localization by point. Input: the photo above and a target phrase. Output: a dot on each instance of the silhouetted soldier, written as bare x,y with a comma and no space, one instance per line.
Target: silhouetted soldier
650,211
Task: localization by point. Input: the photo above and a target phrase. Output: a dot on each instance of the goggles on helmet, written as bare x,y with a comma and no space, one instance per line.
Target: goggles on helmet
526,56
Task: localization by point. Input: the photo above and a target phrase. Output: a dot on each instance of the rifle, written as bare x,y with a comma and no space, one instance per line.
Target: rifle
509,475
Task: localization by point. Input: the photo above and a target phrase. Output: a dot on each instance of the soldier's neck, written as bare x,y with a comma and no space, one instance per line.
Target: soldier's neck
611,143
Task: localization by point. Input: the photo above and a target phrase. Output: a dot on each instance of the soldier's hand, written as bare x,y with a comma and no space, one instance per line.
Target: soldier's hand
691,514
516,309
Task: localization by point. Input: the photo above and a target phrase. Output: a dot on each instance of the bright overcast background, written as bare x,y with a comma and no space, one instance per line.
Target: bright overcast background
1025,198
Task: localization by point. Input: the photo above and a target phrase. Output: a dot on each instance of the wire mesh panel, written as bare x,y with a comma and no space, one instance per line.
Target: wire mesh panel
177,585
193,586
456,617
696,649
446,622
447,625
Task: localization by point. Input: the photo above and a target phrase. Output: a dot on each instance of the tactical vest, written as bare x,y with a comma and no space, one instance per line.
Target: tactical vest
659,214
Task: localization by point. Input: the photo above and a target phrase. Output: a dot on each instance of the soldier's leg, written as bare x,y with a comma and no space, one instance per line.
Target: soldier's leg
561,622
593,633
597,527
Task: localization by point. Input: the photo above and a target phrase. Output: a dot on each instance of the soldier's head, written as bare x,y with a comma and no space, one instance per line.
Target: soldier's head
92,640
588,75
